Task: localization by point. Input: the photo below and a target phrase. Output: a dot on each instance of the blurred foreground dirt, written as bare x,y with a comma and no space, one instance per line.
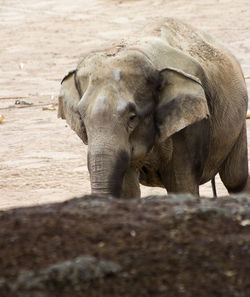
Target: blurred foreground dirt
41,159
158,246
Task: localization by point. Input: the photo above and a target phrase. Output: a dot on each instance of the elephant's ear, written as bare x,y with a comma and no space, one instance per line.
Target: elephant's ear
182,102
68,106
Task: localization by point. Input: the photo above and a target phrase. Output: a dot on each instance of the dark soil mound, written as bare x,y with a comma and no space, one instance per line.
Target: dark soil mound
157,246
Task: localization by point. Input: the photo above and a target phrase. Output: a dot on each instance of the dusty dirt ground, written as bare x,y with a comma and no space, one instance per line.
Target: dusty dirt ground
41,159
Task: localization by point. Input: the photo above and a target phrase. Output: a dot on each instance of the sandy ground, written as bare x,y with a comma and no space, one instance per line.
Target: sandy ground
41,159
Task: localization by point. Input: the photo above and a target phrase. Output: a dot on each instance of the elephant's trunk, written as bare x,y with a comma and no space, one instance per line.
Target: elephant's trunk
107,169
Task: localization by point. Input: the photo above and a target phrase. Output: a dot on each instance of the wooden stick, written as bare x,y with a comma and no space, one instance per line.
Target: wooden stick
248,114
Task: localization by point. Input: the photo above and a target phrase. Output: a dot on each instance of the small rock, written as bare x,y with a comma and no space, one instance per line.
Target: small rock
133,233
71,273
2,117
21,66
245,223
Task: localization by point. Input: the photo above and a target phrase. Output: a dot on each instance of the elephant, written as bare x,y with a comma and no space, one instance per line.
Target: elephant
164,110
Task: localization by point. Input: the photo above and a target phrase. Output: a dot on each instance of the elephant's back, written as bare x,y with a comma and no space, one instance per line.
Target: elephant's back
224,86
197,44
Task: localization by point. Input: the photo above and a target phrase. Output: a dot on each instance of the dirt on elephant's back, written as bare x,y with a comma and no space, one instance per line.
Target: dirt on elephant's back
157,246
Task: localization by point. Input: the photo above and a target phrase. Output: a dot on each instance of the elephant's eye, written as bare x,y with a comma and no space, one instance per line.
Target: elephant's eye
132,117
132,121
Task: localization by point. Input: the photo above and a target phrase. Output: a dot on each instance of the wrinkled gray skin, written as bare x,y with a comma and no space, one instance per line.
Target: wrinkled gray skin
167,110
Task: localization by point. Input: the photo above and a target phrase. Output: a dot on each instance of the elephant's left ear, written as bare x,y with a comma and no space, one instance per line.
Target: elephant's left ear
69,99
182,102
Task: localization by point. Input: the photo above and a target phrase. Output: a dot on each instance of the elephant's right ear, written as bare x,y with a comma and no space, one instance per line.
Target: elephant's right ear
68,106
182,102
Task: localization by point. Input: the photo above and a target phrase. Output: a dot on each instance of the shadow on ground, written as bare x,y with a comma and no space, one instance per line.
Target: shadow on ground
157,246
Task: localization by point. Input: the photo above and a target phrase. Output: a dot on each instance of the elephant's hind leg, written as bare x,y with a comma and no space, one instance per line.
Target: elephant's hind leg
234,172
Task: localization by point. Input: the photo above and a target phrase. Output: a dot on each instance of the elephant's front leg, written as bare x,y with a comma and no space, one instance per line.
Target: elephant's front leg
178,181
131,186
179,175
182,174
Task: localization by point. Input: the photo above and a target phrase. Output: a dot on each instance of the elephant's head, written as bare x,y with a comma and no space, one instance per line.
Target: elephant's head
120,105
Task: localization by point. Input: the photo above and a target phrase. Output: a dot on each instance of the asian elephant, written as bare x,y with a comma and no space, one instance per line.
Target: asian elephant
164,110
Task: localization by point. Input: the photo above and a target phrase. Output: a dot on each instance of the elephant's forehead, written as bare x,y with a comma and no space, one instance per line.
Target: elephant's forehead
126,73
104,103
101,65
100,104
